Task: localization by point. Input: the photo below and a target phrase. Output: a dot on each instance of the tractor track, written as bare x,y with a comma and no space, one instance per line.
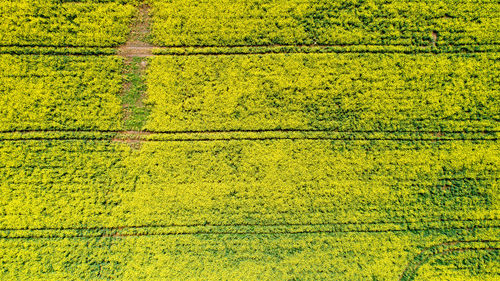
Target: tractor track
117,231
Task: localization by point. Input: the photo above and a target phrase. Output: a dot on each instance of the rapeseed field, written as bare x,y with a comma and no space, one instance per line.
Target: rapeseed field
249,140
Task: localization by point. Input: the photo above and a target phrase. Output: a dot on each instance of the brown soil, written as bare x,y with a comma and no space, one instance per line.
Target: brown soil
136,133
137,45
132,138
134,51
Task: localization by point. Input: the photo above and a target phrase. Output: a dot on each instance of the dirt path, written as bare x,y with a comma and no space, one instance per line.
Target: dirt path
136,51
137,44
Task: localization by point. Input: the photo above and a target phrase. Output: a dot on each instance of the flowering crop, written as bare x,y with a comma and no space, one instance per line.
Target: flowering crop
344,22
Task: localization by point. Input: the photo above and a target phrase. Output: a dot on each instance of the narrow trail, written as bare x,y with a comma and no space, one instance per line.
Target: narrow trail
137,44
135,115
263,224
135,52
228,139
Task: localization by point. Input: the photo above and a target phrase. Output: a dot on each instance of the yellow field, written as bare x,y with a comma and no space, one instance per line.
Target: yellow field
249,140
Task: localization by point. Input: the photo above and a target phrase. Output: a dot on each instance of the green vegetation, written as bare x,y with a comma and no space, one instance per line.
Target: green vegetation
353,92
136,113
458,260
51,24
59,92
343,22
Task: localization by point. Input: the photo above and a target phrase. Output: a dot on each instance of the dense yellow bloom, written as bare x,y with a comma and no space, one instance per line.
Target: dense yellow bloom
244,209
47,23
344,22
57,92
289,162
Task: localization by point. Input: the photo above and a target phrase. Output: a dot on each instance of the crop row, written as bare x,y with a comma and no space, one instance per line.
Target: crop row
344,22
228,136
244,23
88,51
381,256
60,92
342,92
106,184
279,181
307,49
181,51
373,92
457,263
49,23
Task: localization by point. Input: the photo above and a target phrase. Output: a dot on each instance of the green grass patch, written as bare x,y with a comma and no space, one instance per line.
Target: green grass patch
135,111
